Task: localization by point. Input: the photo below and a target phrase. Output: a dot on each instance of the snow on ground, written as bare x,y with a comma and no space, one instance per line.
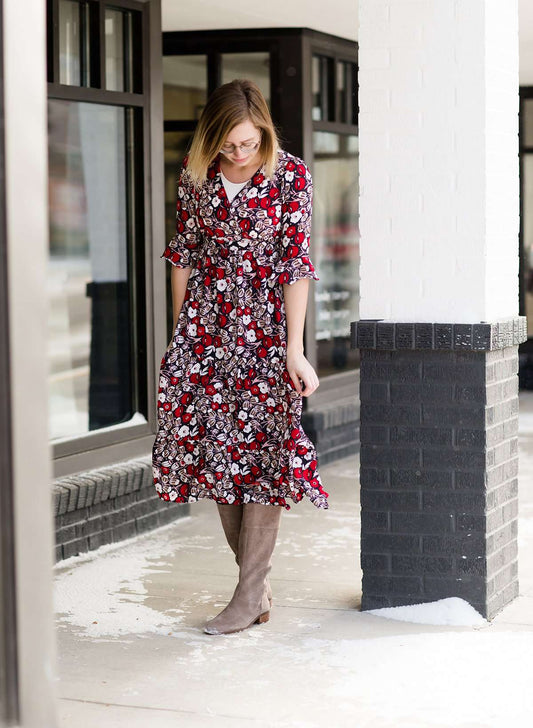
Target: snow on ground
448,668
430,678
452,611
460,679
102,591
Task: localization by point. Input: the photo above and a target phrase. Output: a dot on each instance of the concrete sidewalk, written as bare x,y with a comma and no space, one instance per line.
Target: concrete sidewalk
132,651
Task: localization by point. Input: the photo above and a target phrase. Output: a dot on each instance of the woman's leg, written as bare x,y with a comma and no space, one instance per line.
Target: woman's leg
231,518
257,539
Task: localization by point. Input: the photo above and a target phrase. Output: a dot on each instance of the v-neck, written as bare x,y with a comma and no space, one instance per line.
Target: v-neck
218,171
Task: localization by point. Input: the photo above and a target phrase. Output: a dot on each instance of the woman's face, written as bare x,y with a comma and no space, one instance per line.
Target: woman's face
241,146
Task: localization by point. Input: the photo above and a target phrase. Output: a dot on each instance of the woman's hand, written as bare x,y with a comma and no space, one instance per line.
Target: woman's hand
299,368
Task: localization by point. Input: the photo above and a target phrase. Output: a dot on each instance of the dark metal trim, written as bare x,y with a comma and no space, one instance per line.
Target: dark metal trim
95,60
84,31
526,93
94,95
92,445
214,71
99,52
137,42
482,336
52,47
123,5
336,127
178,125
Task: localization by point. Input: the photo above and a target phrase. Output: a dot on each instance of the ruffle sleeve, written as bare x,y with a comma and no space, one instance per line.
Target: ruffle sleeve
182,249
295,233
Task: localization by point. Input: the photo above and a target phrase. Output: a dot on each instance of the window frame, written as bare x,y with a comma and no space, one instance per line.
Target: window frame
119,442
336,49
525,95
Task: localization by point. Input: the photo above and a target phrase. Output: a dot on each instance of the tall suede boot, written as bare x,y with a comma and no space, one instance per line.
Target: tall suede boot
231,517
257,539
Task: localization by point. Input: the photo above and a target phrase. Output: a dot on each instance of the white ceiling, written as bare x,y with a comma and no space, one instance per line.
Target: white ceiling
338,17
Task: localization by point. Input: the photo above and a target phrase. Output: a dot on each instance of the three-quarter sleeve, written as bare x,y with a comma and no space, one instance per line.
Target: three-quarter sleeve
295,233
182,248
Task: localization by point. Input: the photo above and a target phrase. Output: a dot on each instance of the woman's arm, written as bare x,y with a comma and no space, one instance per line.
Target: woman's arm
295,296
178,278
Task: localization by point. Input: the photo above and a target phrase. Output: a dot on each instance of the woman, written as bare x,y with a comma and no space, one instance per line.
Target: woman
230,396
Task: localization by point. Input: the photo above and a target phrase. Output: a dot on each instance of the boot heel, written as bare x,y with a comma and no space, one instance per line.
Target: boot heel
263,618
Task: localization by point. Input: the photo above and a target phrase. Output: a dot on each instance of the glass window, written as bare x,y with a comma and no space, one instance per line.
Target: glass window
527,238
254,66
73,43
114,50
347,92
322,103
316,109
353,89
176,145
118,50
91,337
527,123
336,248
342,91
184,86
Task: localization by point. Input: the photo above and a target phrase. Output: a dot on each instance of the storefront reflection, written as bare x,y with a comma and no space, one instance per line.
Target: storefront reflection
336,248
90,313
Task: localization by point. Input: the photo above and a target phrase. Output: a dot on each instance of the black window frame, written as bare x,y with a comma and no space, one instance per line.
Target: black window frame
109,444
526,348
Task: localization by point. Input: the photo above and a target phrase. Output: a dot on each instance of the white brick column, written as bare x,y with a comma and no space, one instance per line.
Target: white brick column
439,328
439,179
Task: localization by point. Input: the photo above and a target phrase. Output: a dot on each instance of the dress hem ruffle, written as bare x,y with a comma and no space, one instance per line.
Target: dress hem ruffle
317,498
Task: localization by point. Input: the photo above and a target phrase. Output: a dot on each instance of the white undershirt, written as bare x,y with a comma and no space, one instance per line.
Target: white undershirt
232,188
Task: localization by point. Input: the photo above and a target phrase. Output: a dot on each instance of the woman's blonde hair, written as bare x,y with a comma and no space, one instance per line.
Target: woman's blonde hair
229,105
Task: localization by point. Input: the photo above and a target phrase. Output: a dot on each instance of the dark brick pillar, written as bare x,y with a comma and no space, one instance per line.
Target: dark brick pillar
439,463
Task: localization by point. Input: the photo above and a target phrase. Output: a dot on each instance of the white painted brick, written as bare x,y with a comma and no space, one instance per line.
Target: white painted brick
394,78
374,17
393,38
438,191
374,58
374,99
405,15
438,159
405,121
378,229
438,101
411,58
378,185
371,144
470,100
437,77
469,18
405,98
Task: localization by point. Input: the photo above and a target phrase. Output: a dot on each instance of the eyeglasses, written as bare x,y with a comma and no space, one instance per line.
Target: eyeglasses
246,147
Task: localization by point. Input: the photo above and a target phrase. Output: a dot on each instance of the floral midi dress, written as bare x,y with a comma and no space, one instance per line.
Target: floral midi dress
228,412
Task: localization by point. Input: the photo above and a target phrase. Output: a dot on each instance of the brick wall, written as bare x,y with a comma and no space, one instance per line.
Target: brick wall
108,505
334,428
439,489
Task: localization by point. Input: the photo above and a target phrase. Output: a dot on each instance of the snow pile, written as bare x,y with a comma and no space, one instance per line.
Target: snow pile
425,679
452,611
103,591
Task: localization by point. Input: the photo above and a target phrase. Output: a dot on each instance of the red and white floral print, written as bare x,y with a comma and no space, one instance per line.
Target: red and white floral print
228,413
